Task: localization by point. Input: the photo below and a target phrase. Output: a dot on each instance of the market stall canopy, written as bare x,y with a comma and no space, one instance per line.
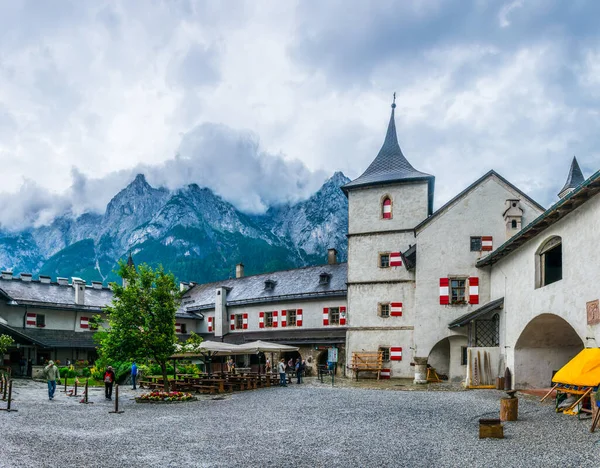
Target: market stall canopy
582,371
210,348
259,346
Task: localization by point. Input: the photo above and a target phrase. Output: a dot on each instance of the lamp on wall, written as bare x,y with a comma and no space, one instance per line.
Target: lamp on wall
590,342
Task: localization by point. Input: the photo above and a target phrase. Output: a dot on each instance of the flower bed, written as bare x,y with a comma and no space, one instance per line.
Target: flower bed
164,397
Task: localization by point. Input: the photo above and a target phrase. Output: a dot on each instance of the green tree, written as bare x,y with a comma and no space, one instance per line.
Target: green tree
5,343
141,318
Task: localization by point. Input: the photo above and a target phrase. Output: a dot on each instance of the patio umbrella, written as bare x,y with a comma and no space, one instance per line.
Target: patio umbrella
210,349
259,346
266,347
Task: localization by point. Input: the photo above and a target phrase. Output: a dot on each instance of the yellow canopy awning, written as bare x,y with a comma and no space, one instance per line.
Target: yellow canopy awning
583,370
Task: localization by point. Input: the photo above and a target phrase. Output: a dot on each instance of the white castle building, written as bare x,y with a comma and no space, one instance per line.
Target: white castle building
490,273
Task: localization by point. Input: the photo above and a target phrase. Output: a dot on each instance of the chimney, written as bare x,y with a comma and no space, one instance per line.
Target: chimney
7,275
26,277
45,279
331,256
79,286
62,281
183,286
239,270
97,284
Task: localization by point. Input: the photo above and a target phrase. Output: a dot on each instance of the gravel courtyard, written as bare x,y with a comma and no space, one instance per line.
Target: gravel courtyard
312,425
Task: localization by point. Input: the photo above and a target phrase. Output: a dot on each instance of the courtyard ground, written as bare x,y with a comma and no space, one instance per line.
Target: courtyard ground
312,425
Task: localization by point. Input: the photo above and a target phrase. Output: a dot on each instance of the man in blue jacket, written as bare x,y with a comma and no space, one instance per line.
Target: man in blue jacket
134,373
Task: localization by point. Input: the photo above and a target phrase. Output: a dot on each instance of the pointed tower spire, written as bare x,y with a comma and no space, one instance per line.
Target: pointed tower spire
130,260
574,179
390,165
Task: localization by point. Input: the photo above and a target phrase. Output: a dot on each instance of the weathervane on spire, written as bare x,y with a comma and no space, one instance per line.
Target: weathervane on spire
394,103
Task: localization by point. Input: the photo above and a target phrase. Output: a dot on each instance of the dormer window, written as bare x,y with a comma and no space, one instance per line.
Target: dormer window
386,208
324,278
270,285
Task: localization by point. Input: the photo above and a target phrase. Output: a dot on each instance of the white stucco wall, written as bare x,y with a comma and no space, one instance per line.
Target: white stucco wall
409,207
443,250
514,278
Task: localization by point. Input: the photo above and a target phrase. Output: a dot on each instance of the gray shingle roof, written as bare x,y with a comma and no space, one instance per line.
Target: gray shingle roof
52,294
575,177
290,284
391,166
36,293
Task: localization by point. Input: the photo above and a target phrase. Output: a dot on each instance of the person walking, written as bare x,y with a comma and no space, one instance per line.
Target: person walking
298,370
134,373
268,366
109,379
282,376
52,376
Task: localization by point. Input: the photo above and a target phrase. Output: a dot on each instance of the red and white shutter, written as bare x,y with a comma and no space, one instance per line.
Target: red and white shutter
275,319
210,324
245,321
299,317
261,320
395,354
342,316
395,259
177,328
325,316
84,322
396,309
284,318
387,208
232,322
444,291
486,243
473,290
385,373
31,321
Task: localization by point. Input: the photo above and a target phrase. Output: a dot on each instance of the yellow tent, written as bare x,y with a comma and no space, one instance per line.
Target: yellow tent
581,371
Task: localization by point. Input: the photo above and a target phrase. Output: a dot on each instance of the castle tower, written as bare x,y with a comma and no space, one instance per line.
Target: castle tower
384,205
574,179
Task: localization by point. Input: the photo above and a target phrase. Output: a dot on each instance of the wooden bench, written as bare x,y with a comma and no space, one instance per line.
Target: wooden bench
211,389
367,362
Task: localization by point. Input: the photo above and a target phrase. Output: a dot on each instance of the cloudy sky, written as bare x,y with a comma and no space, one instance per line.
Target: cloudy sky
263,100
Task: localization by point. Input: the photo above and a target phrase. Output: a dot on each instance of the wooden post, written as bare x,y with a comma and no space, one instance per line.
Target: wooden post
8,409
509,409
66,379
85,394
6,384
116,411
548,394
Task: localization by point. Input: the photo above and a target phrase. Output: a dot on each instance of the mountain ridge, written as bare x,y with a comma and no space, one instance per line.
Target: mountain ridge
191,231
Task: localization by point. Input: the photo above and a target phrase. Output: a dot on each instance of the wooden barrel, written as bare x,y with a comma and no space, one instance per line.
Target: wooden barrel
509,409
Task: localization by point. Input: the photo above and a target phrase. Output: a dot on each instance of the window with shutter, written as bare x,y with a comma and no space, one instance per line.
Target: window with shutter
386,208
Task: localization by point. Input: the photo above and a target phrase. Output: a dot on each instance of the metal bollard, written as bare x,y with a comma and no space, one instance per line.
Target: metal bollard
116,411
66,379
8,408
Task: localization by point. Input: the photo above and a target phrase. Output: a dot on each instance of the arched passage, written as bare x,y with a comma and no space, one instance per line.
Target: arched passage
446,355
546,344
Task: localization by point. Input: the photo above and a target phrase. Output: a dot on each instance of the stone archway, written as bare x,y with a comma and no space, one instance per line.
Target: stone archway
546,344
445,357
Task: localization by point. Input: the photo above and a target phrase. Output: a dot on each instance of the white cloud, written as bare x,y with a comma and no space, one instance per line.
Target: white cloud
93,92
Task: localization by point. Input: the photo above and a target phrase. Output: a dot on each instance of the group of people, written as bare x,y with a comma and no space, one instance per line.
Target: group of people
297,367
52,374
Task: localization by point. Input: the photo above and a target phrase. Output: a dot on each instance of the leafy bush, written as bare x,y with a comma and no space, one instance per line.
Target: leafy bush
86,372
67,372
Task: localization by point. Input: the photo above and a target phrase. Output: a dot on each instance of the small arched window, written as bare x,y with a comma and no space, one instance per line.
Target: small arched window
513,224
386,208
548,264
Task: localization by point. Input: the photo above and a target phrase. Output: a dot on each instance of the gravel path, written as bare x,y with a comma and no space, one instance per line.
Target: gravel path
312,425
